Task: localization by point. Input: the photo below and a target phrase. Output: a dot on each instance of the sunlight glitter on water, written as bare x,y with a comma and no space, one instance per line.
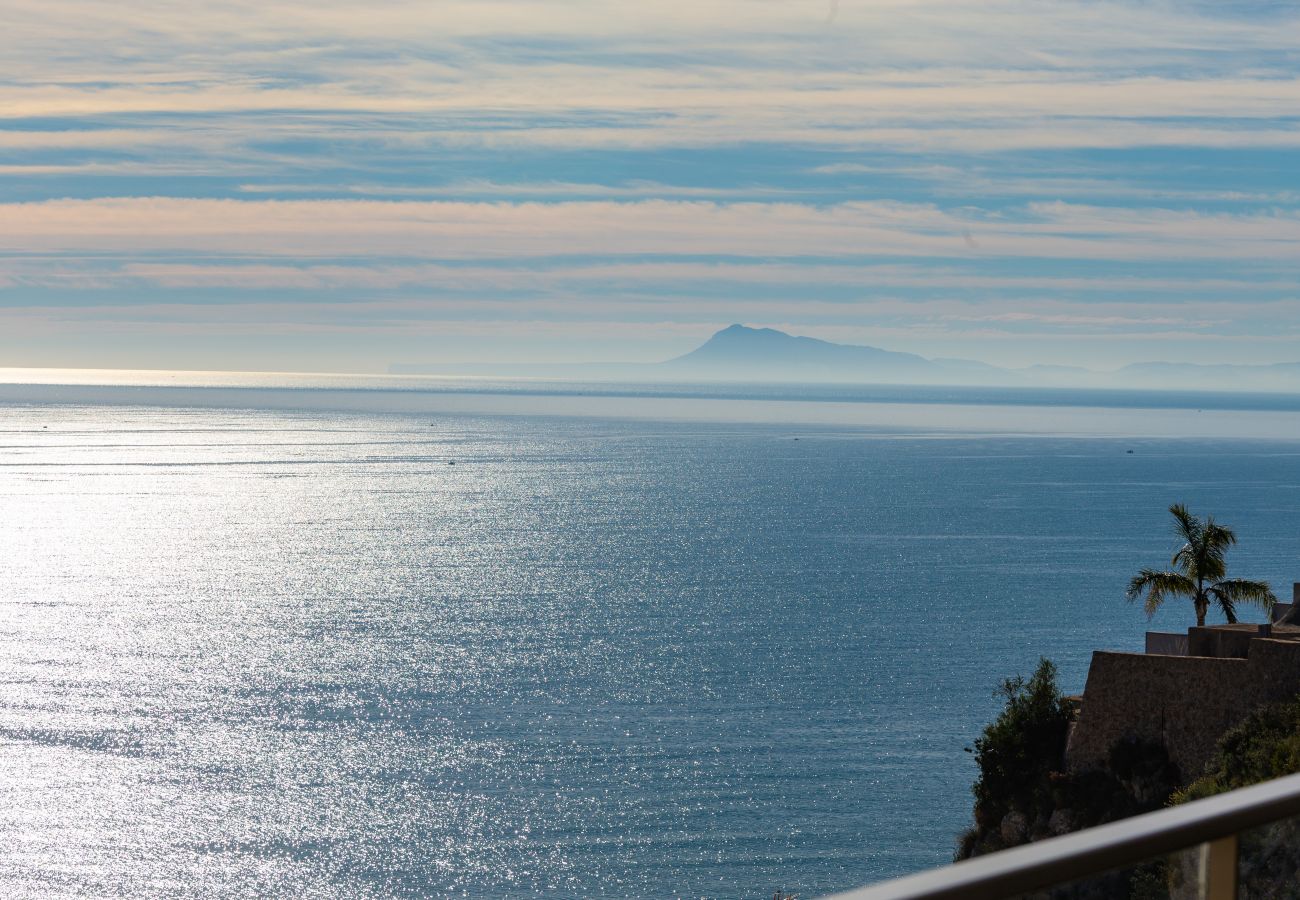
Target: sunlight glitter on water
253,652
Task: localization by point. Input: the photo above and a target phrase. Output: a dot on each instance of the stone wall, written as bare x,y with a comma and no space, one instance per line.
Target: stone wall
1186,703
1221,640
1165,643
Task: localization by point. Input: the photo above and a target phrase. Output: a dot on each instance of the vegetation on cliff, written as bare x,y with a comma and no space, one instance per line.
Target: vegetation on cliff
1265,746
1021,749
1023,794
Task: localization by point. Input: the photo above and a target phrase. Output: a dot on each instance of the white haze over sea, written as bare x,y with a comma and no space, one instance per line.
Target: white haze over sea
1099,412
353,637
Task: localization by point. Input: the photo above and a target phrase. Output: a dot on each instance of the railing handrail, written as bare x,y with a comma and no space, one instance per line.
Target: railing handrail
1095,850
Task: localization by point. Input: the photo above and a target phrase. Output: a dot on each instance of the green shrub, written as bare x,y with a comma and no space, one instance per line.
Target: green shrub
1021,748
1266,745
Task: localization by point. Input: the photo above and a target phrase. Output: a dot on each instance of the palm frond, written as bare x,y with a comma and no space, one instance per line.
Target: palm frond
1215,541
1225,604
1186,526
1241,590
1202,556
1220,537
1188,557
1158,586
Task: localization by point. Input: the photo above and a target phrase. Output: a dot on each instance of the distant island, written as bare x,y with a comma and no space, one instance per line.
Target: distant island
743,353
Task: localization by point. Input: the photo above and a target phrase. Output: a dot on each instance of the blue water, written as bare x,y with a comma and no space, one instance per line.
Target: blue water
299,652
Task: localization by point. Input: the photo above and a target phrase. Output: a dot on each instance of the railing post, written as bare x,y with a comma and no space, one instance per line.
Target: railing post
1219,869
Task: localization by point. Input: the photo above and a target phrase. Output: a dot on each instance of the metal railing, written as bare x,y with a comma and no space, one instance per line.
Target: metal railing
1214,824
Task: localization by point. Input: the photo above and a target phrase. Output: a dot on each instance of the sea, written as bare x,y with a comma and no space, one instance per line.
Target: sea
327,636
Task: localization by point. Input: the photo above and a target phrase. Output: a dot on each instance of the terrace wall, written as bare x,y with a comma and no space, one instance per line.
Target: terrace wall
1184,702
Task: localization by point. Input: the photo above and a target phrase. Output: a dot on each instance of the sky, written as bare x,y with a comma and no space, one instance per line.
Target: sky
338,187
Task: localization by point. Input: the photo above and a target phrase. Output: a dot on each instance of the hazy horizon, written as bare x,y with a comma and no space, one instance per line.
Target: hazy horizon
747,357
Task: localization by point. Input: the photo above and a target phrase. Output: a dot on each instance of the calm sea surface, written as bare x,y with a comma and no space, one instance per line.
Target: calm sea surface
341,642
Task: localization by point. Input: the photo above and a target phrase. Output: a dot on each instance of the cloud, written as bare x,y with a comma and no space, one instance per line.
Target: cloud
593,107
598,274
930,74
478,230
546,189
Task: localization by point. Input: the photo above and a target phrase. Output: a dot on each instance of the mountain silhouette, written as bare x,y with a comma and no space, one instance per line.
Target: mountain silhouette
746,352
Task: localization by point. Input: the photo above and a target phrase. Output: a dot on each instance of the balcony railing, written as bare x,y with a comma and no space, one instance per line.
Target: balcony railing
1211,838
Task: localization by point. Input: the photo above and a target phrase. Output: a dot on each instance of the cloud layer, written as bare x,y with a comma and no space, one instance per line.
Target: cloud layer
1013,181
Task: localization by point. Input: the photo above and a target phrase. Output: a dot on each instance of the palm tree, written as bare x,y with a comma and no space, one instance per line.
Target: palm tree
1200,572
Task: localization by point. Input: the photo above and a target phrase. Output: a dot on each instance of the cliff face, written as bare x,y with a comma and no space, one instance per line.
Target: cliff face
1136,777
1046,800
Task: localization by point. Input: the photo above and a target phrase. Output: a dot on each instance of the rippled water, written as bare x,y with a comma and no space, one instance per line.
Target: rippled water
303,653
